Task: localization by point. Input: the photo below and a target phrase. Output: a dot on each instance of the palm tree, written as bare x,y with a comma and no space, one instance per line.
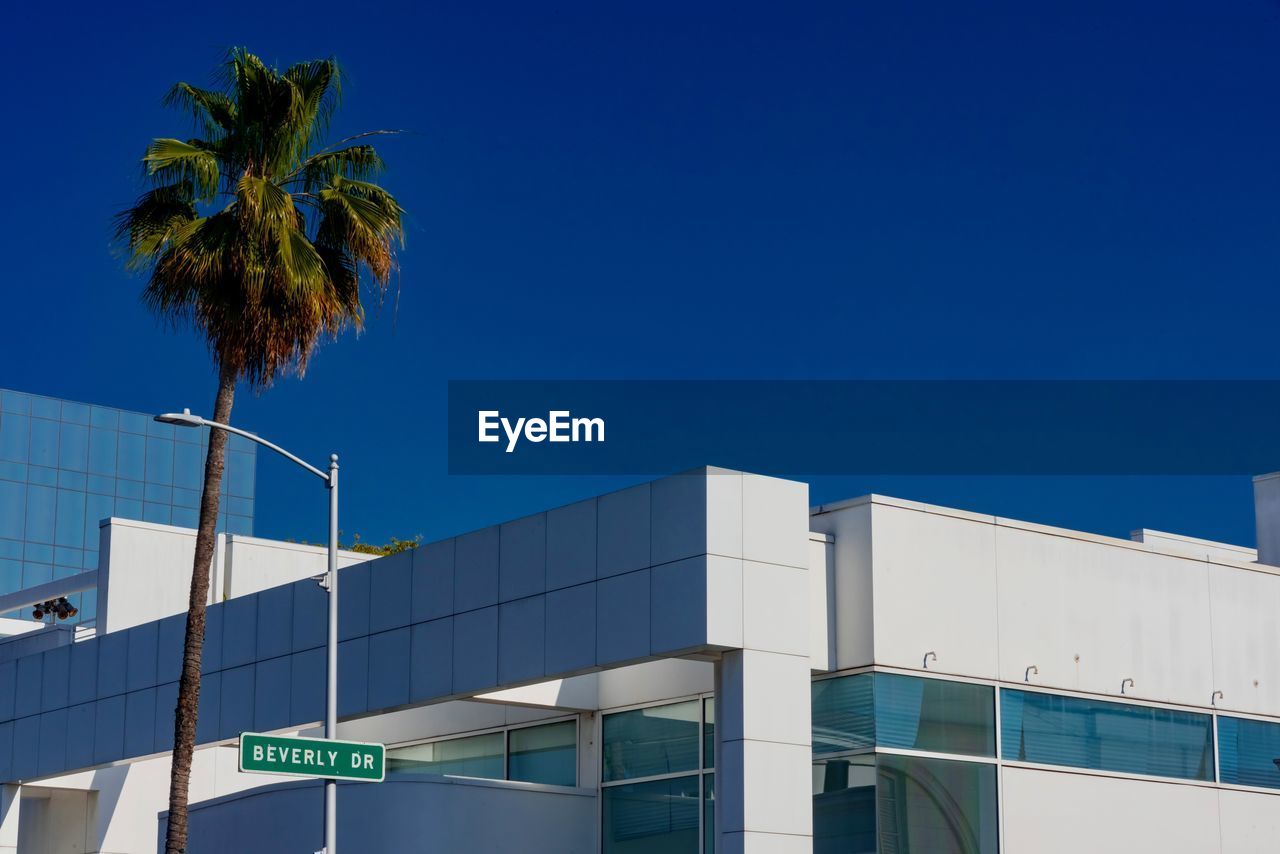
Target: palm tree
258,236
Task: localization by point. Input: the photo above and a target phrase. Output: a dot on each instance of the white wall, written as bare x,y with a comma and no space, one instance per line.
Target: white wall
1056,813
126,799
144,572
144,569
55,821
1250,822
254,564
992,597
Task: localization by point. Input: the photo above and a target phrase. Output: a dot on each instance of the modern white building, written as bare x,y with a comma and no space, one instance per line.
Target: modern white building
700,663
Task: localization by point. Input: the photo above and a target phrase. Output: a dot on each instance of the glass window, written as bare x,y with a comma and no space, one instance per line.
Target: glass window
15,401
474,756
100,416
129,489
13,504
36,573
157,493
860,711
185,517
188,466
72,480
134,422
709,732
544,754
161,514
44,442
159,460
128,508
935,715
73,450
46,407
844,805
240,474
1084,733
96,508
658,817
69,530
15,437
652,741
75,413
102,451
10,575
41,508
935,805
708,813
843,715
1248,752
131,456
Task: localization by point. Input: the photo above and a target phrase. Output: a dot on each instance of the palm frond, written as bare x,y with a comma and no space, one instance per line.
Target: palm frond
358,162
169,161
213,112
319,88
271,271
147,227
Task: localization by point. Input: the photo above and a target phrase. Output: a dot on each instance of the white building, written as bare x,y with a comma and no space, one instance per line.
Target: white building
699,663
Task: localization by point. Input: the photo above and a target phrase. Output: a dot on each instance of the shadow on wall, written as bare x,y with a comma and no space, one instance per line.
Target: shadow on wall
456,814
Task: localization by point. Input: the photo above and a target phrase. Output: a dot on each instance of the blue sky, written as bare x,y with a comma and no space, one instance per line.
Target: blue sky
662,190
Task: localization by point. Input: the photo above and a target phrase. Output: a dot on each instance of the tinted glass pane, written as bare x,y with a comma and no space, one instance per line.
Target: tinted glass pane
15,435
73,448
188,465
708,813
13,502
44,442
15,401
935,805
46,407
843,714
1248,751
660,817
76,413
544,754
69,530
475,756
1082,733
844,806
934,715
10,575
159,460
709,732
41,508
102,451
240,474
652,741
131,456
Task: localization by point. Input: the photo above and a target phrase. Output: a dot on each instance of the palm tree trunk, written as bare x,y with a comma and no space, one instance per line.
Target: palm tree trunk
184,727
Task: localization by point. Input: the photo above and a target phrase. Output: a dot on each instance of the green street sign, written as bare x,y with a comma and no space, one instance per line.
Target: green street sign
312,757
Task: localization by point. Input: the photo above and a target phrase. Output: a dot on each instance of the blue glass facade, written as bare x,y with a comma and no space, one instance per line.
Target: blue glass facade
65,466
1248,751
1083,733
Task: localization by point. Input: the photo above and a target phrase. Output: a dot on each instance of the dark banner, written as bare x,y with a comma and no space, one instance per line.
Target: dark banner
865,427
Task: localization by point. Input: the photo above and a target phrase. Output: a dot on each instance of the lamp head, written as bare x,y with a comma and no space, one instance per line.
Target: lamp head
181,419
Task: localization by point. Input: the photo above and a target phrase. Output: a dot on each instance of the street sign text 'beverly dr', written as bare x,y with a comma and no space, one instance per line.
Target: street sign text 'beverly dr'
312,757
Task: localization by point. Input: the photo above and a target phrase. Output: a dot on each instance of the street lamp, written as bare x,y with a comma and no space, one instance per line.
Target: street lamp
330,583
